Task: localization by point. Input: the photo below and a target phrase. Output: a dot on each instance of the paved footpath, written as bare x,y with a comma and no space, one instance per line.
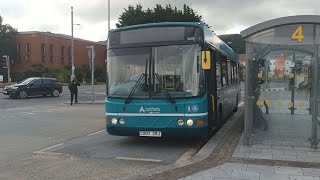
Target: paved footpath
215,162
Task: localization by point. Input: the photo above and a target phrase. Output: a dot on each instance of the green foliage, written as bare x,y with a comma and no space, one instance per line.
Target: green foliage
235,41
7,40
7,44
100,75
136,15
62,76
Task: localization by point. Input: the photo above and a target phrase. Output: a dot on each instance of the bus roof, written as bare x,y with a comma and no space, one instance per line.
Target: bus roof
210,38
158,24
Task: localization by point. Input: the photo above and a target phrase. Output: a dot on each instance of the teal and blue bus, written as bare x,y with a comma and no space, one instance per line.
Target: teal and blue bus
169,79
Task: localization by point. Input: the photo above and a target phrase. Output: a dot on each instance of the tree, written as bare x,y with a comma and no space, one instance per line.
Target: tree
7,39
136,15
7,44
235,41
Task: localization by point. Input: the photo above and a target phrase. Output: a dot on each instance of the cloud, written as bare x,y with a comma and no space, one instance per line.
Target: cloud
225,16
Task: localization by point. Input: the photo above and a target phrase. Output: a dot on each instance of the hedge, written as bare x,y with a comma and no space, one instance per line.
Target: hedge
62,76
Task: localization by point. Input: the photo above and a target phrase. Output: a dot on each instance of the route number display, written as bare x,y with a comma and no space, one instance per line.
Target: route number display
298,34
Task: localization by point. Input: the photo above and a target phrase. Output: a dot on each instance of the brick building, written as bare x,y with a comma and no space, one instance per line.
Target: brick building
53,51
242,58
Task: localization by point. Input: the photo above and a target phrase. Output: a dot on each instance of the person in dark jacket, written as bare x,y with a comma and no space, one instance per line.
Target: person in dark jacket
73,87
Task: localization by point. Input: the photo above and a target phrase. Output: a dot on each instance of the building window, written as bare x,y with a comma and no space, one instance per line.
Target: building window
43,52
51,53
18,52
28,50
69,54
62,54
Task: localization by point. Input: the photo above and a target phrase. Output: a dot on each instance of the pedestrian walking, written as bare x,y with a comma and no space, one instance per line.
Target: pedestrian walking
73,87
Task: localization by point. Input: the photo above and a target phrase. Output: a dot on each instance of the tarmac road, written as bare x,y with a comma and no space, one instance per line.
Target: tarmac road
57,141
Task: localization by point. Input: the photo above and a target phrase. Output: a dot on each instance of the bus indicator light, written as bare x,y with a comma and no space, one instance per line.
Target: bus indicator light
200,122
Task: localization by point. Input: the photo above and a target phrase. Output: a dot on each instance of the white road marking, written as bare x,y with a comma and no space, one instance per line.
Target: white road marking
95,93
138,159
23,108
29,113
95,133
42,150
47,153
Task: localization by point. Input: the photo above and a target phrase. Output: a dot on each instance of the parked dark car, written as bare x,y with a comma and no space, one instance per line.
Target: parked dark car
34,87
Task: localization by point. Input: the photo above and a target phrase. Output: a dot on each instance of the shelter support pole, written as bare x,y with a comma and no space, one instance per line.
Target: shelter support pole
314,98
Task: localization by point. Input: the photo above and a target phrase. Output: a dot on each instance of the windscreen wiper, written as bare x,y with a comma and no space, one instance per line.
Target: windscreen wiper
134,88
170,98
143,75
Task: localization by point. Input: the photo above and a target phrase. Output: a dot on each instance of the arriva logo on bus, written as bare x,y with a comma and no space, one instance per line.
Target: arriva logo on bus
149,110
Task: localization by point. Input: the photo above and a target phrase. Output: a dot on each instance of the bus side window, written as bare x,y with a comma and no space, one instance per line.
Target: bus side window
229,72
235,66
234,75
224,71
218,72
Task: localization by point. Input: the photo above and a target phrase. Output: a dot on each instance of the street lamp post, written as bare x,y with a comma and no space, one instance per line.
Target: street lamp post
107,44
108,16
72,44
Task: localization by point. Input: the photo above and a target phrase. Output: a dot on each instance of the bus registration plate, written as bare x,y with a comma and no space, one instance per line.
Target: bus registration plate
150,133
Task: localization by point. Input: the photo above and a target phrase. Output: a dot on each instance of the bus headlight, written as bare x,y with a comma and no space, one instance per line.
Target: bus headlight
121,121
189,122
180,122
114,121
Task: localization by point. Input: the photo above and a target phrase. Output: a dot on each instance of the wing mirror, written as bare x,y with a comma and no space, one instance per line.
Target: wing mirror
206,60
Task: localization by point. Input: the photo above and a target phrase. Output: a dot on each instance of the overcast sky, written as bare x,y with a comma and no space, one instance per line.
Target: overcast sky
224,16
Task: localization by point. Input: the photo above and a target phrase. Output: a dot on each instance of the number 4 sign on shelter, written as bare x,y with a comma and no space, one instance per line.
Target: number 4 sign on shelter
298,34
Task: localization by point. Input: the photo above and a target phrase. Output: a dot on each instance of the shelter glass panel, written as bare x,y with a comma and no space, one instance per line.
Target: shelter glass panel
279,84
318,77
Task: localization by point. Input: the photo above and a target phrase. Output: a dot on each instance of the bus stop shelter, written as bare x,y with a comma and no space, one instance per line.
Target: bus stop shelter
282,82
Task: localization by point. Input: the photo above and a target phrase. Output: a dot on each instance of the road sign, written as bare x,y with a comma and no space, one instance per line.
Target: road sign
91,54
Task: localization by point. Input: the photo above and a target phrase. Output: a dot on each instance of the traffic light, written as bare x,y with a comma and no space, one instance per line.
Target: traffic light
4,62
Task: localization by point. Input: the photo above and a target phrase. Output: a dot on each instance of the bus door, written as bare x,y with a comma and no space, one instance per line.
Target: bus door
212,92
